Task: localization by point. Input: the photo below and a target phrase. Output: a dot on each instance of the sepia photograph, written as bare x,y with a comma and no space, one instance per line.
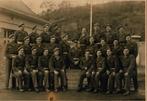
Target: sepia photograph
72,50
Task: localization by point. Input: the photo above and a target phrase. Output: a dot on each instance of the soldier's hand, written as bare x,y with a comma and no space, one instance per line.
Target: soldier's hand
120,71
85,68
107,72
62,70
87,73
113,73
126,74
55,72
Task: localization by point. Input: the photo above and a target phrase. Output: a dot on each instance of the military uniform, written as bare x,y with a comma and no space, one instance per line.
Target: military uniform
33,36
45,37
113,67
58,67
75,55
43,66
86,67
20,35
128,65
32,67
133,50
18,68
40,48
10,53
97,73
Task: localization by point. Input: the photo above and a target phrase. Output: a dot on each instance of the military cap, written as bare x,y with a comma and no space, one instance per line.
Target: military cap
96,24
19,48
56,49
34,27
53,36
21,25
11,36
27,37
34,47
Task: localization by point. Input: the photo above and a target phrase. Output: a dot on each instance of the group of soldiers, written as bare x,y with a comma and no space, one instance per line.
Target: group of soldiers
39,61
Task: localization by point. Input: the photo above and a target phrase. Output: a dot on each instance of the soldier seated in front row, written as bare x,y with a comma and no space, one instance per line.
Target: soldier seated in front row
20,71
98,72
32,67
128,62
44,70
58,68
113,67
86,65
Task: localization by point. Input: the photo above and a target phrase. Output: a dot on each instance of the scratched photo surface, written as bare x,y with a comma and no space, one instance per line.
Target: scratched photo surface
72,50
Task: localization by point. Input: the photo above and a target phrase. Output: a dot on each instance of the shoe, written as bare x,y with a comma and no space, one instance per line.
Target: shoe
36,89
56,90
117,91
47,90
21,90
95,91
108,92
63,89
126,93
89,90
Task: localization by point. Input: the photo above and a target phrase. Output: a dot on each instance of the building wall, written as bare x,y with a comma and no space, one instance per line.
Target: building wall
11,22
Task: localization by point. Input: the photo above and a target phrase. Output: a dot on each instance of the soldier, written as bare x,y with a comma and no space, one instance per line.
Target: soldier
92,47
128,63
75,55
122,35
26,46
52,45
98,72
58,67
45,35
10,53
32,67
84,39
113,67
20,34
33,35
133,50
65,50
86,65
103,47
58,34
108,35
19,69
97,33
117,49
44,70
39,46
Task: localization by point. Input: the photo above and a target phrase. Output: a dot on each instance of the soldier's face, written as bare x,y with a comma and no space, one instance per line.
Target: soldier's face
115,42
109,52
121,30
84,30
56,53
87,54
45,53
27,41
96,28
45,29
53,40
103,42
38,40
128,38
34,51
91,40
22,27
126,52
21,51
108,28
99,53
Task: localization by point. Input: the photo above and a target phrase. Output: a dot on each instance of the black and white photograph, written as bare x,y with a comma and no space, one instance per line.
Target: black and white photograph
72,50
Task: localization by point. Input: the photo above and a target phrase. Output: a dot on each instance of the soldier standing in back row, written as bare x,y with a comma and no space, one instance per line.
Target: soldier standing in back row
33,35
10,53
20,34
